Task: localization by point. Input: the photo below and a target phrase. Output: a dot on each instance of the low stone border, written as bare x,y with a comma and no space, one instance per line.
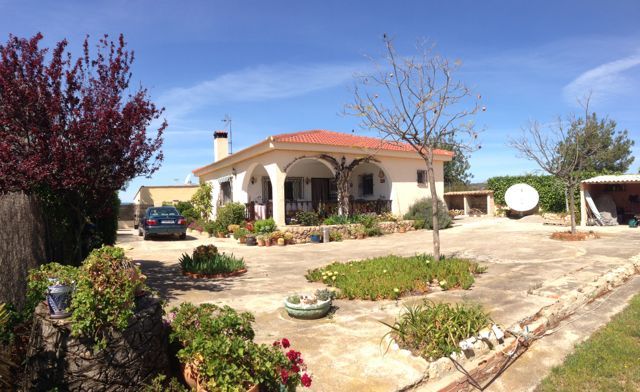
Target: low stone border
442,374
301,234
215,276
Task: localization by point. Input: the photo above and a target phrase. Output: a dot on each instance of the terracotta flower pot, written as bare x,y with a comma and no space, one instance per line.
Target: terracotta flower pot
260,242
220,234
191,378
267,242
402,229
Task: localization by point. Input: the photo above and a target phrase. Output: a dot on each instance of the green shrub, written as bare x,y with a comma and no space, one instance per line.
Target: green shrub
390,277
421,210
338,220
231,214
185,208
201,200
550,190
214,227
217,343
264,226
105,292
335,236
435,330
205,259
308,218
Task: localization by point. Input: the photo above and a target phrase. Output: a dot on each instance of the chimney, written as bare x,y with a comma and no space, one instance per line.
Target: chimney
220,145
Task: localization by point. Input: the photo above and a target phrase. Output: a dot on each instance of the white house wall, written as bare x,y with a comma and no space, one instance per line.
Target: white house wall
400,177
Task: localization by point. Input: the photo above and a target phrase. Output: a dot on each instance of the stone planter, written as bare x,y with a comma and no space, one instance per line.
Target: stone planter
59,300
308,311
132,357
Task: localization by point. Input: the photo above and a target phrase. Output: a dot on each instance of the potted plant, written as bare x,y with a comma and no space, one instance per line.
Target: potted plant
217,352
232,228
267,239
250,240
315,237
260,239
402,229
288,238
54,283
240,234
309,306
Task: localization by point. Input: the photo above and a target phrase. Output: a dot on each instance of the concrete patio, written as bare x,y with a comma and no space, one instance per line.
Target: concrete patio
526,271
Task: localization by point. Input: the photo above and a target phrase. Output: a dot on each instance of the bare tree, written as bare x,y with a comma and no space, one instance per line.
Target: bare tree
416,100
560,149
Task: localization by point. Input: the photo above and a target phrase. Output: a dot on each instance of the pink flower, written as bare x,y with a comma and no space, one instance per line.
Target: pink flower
285,343
306,380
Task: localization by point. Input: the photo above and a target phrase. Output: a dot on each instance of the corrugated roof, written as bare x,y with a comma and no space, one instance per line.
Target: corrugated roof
331,138
613,179
480,192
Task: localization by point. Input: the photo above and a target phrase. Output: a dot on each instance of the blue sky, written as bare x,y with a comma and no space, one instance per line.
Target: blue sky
286,66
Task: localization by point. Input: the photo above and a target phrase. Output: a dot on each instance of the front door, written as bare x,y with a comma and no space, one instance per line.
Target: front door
319,191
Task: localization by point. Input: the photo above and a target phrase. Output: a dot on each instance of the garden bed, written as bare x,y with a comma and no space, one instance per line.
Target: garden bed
391,277
215,276
578,236
301,234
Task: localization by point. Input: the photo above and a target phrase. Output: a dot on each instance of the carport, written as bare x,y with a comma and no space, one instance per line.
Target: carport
481,200
609,200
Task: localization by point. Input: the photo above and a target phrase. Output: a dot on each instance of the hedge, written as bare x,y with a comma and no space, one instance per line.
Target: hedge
549,188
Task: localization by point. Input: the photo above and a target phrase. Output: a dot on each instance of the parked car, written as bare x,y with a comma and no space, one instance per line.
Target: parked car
162,221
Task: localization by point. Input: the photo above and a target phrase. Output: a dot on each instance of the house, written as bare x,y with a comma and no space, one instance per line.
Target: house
287,173
156,196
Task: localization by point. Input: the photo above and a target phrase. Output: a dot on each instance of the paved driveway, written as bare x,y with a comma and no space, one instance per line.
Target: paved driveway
526,271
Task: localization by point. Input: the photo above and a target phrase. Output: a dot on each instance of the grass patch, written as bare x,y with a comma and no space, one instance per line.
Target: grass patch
607,361
390,277
434,330
206,260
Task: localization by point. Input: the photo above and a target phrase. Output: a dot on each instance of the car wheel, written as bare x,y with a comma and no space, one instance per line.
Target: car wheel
139,232
183,236
145,236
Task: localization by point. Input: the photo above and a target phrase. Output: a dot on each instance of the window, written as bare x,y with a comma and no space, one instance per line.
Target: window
294,188
225,192
422,177
365,184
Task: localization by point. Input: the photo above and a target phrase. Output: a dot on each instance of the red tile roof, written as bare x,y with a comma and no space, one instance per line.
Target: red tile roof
330,138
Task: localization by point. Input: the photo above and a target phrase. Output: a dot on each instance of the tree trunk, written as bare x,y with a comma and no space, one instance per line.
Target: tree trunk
342,183
434,206
572,207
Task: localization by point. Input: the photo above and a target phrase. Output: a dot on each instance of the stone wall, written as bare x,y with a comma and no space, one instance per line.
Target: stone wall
132,357
301,233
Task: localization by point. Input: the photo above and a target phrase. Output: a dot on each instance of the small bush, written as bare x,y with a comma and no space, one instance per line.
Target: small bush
104,298
308,218
335,236
239,233
421,210
231,214
206,260
390,277
185,208
264,226
434,330
214,227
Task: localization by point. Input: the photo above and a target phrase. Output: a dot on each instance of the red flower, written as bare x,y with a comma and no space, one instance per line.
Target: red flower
276,343
294,356
285,343
306,380
284,375
295,368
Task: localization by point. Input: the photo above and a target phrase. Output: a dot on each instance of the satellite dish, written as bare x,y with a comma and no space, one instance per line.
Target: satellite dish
521,197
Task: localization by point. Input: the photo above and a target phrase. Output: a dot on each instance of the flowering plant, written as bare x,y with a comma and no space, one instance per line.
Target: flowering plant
293,371
218,351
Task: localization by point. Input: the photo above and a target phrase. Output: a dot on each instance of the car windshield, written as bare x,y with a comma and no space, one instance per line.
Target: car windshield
164,212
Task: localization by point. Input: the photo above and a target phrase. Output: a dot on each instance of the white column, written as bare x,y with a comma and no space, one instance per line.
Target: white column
490,206
277,177
465,201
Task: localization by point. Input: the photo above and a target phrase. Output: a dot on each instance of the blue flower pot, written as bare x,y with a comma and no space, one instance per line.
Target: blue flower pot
315,238
59,300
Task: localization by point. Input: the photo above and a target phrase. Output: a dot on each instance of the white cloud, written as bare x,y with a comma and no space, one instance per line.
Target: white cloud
604,81
255,84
